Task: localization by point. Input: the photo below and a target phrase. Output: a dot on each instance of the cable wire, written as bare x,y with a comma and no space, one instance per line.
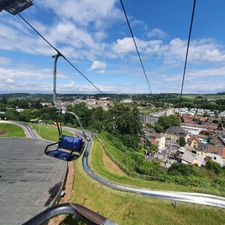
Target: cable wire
135,44
33,28
187,51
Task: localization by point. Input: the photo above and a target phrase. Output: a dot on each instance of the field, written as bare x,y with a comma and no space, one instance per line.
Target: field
48,132
207,96
130,209
11,130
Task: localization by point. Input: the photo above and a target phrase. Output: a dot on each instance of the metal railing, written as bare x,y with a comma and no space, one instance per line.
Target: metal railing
85,214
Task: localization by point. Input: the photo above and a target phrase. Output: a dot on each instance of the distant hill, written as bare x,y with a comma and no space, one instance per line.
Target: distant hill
15,95
221,93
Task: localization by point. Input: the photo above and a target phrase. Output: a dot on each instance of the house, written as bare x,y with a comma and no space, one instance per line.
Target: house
217,150
203,146
154,117
215,158
192,128
191,159
193,141
174,134
157,139
219,139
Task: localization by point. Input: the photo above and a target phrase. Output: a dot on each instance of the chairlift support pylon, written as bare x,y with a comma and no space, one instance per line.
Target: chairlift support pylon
68,148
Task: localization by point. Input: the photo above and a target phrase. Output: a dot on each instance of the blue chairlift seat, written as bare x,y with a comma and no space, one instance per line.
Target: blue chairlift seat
68,148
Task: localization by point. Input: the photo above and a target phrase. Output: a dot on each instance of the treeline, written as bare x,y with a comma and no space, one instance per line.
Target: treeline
120,120
198,102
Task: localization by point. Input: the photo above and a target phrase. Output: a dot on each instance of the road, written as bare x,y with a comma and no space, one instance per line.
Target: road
189,197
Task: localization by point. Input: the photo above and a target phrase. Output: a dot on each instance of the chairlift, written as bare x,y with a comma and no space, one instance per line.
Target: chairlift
68,148
15,6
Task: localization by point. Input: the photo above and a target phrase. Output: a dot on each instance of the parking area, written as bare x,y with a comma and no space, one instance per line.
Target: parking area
29,180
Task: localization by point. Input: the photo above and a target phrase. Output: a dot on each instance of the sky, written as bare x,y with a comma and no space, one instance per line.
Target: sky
94,36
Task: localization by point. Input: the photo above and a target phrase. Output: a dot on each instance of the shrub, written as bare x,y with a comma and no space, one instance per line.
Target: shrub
181,169
213,166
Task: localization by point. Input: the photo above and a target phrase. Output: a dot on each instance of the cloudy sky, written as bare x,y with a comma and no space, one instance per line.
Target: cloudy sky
94,35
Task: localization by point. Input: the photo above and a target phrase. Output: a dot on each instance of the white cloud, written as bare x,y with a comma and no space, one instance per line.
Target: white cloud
123,46
10,81
173,53
77,29
98,66
83,12
5,61
157,33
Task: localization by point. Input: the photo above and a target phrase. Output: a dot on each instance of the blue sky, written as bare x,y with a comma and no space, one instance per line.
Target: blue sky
94,35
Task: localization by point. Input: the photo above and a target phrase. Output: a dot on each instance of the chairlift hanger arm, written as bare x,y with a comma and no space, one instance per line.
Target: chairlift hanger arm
75,115
56,57
60,111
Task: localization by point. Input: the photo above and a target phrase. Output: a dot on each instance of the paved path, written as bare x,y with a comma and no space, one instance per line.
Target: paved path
26,177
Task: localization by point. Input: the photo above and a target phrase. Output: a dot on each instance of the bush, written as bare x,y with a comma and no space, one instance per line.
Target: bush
213,166
181,169
149,168
131,141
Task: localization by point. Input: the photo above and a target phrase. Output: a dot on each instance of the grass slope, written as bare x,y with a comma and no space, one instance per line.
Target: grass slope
11,130
96,161
129,209
48,132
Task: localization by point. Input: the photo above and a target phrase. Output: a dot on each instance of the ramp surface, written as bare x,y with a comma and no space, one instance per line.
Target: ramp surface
29,180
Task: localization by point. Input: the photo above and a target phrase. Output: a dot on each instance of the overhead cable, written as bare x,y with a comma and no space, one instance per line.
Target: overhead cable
187,51
53,47
135,44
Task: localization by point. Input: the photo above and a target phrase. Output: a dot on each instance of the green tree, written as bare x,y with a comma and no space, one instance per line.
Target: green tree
153,147
11,114
125,119
182,141
167,121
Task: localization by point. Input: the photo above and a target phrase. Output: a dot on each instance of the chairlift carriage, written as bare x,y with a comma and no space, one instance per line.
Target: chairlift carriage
68,148
15,6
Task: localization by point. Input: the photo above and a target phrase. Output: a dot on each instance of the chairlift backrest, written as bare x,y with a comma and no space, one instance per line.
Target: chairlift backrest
71,143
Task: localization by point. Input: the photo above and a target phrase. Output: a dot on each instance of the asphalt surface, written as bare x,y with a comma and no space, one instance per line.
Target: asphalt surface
29,180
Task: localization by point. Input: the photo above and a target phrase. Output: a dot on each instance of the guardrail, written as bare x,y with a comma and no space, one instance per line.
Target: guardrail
85,214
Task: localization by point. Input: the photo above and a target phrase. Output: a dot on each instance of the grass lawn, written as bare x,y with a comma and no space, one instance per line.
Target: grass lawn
48,132
129,209
208,97
11,130
96,161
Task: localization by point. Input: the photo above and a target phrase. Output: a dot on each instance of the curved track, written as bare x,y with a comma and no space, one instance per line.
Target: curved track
196,198
28,128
